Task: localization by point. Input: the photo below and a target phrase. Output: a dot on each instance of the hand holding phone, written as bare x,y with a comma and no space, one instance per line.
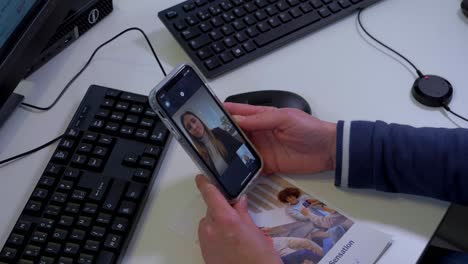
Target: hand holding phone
206,131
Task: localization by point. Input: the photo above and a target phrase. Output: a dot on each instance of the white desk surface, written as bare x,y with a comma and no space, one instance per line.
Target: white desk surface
335,70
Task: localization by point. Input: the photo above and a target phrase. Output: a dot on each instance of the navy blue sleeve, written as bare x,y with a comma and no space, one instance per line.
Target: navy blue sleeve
397,158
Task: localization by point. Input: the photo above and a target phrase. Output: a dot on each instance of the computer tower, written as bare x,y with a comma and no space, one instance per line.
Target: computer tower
83,15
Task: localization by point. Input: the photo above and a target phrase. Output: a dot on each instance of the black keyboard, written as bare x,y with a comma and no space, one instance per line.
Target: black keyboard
221,35
90,196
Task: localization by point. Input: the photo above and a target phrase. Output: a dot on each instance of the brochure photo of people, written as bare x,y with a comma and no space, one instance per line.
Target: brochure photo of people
300,227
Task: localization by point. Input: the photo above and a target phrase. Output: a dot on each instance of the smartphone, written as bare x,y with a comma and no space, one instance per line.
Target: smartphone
306,204
199,122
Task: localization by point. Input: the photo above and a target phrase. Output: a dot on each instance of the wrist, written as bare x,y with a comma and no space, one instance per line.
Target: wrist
331,152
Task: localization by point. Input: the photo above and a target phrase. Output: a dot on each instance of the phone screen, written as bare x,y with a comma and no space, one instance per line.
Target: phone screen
204,124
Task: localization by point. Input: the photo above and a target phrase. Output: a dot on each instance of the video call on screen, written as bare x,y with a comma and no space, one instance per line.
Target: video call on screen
202,122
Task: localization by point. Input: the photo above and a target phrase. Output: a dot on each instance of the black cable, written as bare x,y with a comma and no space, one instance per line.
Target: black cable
71,81
446,107
87,64
31,151
420,74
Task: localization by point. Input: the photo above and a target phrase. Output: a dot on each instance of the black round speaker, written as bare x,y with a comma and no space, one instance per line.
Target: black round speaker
432,90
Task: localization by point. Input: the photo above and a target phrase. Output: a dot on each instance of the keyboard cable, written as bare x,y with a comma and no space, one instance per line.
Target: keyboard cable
419,73
26,105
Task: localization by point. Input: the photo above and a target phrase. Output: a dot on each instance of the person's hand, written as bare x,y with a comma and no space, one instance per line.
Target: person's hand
305,212
289,140
227,234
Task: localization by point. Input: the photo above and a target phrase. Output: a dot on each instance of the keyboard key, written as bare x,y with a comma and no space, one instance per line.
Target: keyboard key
71,249
238,52
78,160
53,170
142,175
15,240
45,224
83,222
52,211
250,20
285,29
85,259
46,260
226,57
112,242
250,7
238,25
152,151
103,113
72,133
72,208
105,257
272,10
285,17
134,98
260,15
248,46
65,185
132,119
127,208
77,235
344,3
59,198
91,245
216,35
225,5
295,12
191,20
39,237
52,248
334,7
227,30
64,260
89,208
31,251
199,42
66,144
97,232
214,10
8,254
263,27
114,195
111,127
324,12
306,8
106,218
71,174
108,103
216,22
261,3
218,47
180,25
39,194
212,63
84,148
120,224
99,187
33,207
282,6
66,221
188,7
171,14
205,27
293,2
203,15
105,140
241,37
95,164
316,3
112,93
97,124
22,226
100,151
78,195
239,11
229,42
134,191
274,22
252,32
201,2
59,234
131,159
190,33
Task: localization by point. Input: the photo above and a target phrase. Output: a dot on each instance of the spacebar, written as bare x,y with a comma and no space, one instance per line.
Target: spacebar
287,29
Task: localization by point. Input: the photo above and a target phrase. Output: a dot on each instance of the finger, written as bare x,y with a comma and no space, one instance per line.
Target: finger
242,210
267,120
214,200
245,109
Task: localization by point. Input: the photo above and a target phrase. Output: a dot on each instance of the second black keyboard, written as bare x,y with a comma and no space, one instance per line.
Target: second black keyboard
89,198
220,35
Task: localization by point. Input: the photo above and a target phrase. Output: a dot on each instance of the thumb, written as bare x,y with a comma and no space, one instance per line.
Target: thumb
267,120
241,208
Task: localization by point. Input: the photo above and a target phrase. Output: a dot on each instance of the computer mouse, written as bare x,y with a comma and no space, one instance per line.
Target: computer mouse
280,99
464,7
